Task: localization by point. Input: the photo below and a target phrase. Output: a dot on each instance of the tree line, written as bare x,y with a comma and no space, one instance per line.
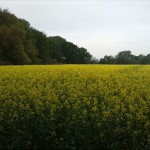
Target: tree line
125,57
22,44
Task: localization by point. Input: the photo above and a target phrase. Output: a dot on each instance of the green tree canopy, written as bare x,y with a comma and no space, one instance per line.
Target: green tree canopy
22,44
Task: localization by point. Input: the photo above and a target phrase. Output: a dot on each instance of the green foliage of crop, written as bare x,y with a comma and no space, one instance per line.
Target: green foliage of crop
75,107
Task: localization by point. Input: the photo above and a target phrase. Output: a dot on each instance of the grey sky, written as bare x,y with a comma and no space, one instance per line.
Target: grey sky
102,27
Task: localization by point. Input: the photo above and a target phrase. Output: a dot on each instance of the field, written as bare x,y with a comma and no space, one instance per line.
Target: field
75,107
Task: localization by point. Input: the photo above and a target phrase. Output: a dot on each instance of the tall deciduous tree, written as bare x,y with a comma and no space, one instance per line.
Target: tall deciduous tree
22,44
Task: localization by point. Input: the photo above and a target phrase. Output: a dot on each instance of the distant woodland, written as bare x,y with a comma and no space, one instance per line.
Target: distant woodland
125,57
22,44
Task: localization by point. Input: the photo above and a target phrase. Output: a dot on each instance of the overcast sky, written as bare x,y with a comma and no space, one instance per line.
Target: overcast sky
102,27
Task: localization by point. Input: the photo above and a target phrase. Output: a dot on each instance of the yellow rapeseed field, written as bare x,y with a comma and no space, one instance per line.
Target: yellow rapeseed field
75,107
